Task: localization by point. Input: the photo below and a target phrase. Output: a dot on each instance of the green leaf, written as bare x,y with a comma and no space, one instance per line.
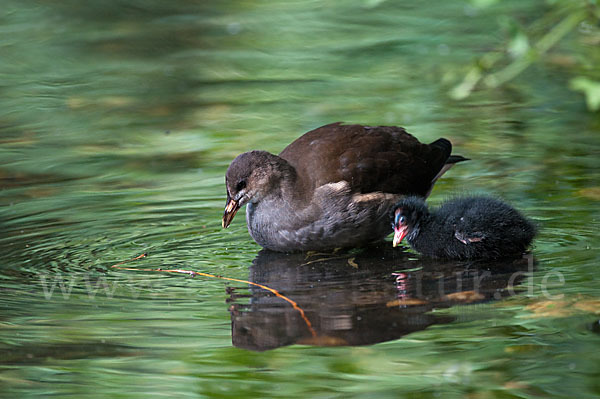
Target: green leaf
591,90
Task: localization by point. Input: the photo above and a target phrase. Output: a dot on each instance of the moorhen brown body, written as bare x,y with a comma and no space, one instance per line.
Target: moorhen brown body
332,187
463,228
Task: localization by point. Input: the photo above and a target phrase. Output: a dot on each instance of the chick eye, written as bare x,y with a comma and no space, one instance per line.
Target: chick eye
241,185
400,219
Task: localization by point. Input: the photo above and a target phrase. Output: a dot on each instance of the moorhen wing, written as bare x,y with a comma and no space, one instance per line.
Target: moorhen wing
462,228
332,187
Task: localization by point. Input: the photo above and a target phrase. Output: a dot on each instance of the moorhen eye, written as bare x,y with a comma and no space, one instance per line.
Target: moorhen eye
399,220
241,185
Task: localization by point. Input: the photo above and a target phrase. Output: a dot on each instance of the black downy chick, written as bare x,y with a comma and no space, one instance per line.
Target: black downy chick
462,228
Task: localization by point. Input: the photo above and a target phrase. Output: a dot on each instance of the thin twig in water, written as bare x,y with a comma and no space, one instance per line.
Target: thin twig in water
194,273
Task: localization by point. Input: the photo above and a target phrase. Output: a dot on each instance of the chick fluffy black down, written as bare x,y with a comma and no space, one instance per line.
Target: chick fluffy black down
467,228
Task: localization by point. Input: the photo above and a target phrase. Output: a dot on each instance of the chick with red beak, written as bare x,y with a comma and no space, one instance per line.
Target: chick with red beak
472,227
400,227
409,215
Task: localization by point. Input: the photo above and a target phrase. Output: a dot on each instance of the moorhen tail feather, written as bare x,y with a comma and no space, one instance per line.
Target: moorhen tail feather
463,228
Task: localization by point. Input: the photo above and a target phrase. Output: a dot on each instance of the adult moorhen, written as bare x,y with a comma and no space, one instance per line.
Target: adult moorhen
332,187
462,228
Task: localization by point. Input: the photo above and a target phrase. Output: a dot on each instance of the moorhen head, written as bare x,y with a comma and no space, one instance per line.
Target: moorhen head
462,228
252,177
332,187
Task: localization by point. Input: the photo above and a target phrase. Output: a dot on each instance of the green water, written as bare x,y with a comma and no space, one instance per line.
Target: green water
118,120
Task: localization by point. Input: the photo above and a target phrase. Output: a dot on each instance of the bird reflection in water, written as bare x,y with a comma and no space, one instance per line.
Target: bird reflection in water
359,297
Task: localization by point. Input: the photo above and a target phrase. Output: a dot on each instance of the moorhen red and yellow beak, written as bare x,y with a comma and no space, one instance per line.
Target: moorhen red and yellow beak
400,229
399,234
231,209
